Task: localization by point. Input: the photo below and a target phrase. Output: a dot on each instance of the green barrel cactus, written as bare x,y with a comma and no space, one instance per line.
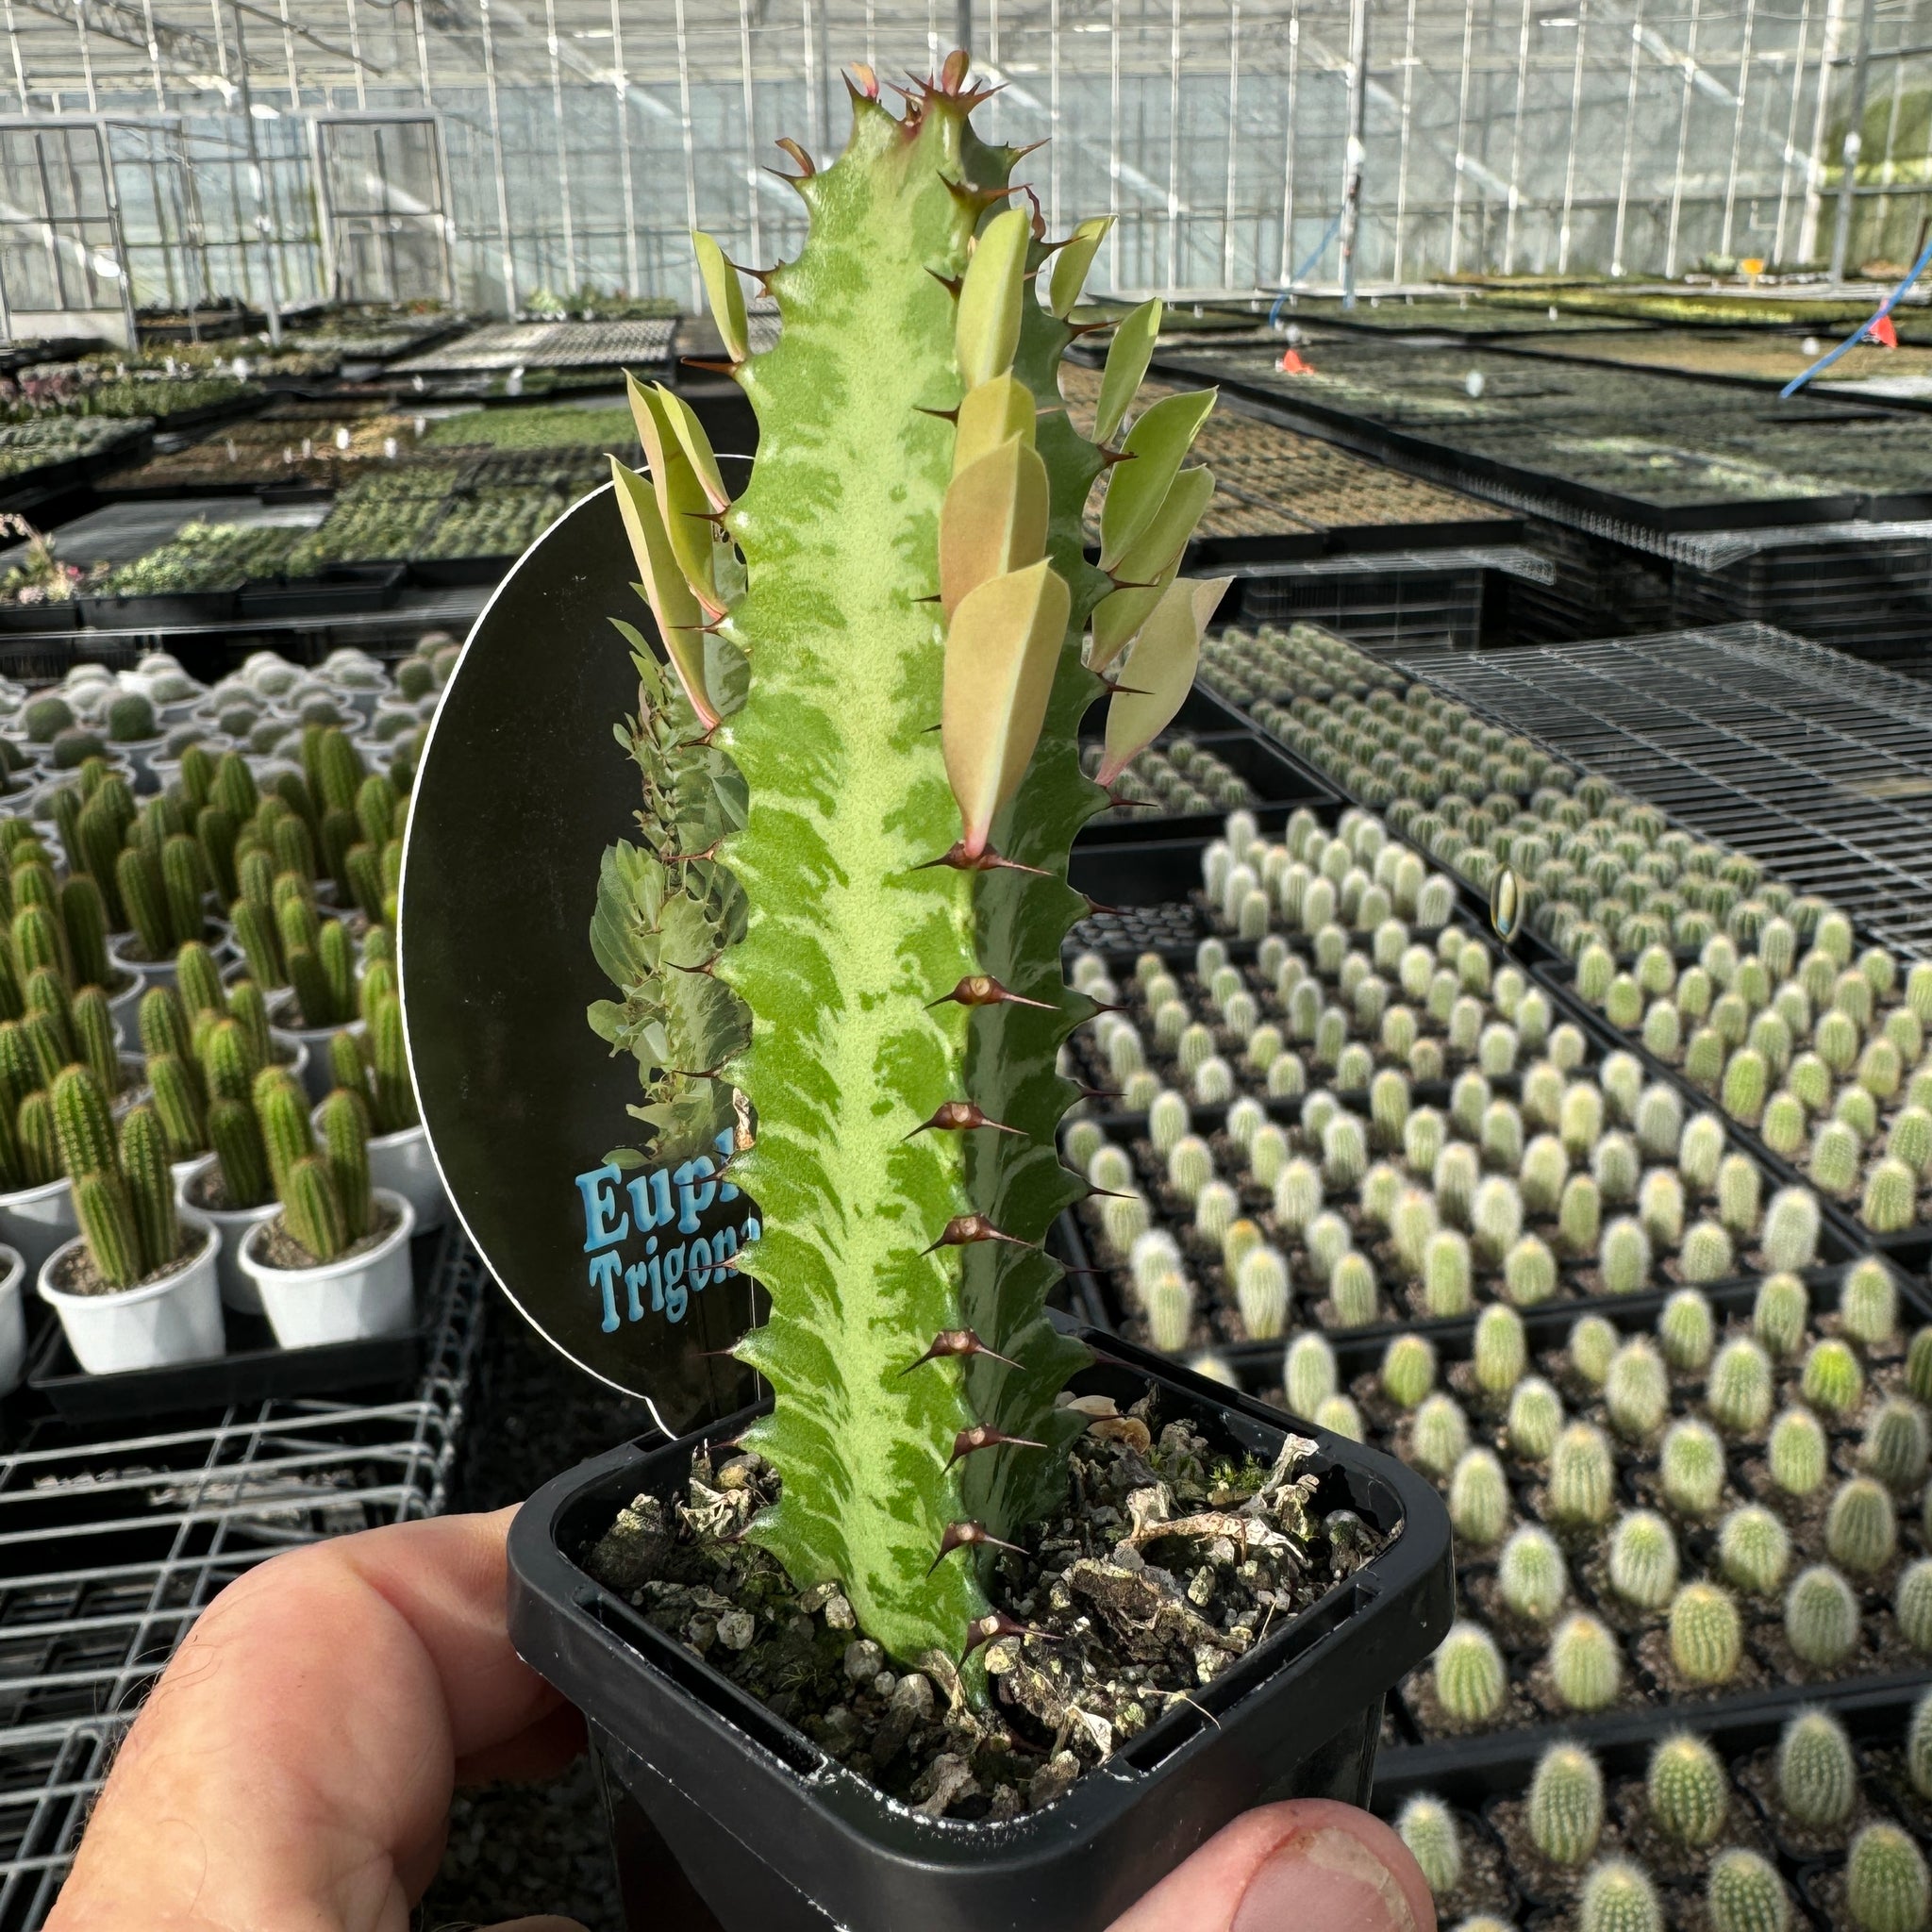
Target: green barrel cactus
1618,1896
1862,1526
1428,1828
1887,1887
1531,1577
1706,1634
1817,1776
861,782
1754,1549
1586,1663
1642,1559
1469,1676
1687,1789
1821,1617
1564,1814
1744,1894
1478,1498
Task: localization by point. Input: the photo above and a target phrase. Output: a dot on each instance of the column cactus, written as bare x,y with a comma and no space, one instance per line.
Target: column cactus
123,1194
843,922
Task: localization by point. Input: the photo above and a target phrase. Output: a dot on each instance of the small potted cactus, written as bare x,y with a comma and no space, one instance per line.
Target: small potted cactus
138,1289
333,1264
135,733
374,1065
836,945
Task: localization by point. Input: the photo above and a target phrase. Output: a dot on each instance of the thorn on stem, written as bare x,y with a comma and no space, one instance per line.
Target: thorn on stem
969,1535
957,1342
966,1231
996,1624
984,1435
983,990
959,1115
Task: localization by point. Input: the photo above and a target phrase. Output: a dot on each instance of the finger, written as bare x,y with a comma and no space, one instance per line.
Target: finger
542,1751
295,1764
547,1923
1310,1865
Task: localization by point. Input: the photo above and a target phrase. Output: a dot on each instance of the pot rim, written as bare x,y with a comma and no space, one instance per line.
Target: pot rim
331,1271
147,1291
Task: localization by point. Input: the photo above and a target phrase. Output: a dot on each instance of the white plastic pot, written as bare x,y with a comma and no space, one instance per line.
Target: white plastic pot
234,1225
141,752
148,972
125,1007
12,1320
36,1221
370,1293
402,1163
178,1319
313,1069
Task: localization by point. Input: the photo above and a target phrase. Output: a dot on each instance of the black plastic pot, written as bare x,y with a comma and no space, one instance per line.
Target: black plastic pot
725,1819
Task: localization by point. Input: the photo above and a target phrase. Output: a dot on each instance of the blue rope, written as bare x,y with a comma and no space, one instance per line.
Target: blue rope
1321,248
1858,335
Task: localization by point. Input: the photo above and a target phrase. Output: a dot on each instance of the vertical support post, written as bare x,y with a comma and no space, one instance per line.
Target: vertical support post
962,24
1173,146
622,85
121,261
1783,177
1835,17
19,65
1848,155
570,236
257,182
1234,130
1294,63
1461,139
690,159
1516,142
749,95
1683,142
510,265
1575,118
1357,149
1113,147
1052,152
1629,137
1409,66
1738,128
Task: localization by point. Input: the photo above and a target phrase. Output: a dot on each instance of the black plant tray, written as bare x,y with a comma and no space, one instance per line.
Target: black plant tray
341,588
254,1369
40,617
1566,496
1349,539
1277,782
185,607
769,1833
448,573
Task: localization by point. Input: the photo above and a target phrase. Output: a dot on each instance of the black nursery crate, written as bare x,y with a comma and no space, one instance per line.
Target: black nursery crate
1408,598
449,573
253,1368
1276,782
339,590
187,608
40,617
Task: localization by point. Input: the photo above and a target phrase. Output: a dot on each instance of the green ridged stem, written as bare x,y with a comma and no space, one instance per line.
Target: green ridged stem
293,848
1741,1387
1816,1775
1913,1604
100,835
282,1109
1642,1559
1780,1314
1821,1617
344,1129
12,1002
198,979
229,1062
1692,1468
1688,1789
163,1025
96,1038
13,1173
347,1067
107,1225
39,941
39,1146
312,1211
150,1182
377,811
1897,1445
362,873
255,933
335,771
197,779
83,1124
1744,1894
1564,1814
215,832
138,877
255,873
339,830
248,1007
20,1073
1887,1885
1754,1550
234,788
1531,1576
1707,1635
239,1150
1862,1526
178,1103
183,885
1468,1674
84,920
52,1045
1918,1746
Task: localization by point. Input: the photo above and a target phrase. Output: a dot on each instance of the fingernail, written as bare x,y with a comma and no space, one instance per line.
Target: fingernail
1326,1878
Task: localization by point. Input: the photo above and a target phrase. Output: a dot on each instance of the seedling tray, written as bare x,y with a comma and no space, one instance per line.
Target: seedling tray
40,617
194,608
254,1369
451,572
340,588
1278,785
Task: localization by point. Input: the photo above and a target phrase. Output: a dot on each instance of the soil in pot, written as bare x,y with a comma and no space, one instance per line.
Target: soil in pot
277,1247
1135,1592
76,1272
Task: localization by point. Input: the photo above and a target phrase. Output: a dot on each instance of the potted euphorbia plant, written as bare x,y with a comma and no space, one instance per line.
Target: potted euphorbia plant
964,1627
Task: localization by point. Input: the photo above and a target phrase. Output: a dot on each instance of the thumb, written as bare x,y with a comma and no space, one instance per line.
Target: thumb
547,1923
1310,1865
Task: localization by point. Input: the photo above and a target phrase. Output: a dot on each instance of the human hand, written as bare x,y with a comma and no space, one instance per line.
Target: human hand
292,1770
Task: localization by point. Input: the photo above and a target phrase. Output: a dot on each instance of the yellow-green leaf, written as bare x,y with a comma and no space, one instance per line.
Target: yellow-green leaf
680,618
992,520
696,445
1127,357
682,502
986,333
1002,651
1156,445
1070,264
726,294
989,415
1149,566
1160,670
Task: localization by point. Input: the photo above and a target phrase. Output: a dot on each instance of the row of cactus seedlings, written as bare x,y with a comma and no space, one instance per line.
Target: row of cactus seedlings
1701,1509
1638,1854
1767,1010
1332,1177
1176,779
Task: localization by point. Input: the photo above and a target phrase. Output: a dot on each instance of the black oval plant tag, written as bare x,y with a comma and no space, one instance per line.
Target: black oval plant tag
523,784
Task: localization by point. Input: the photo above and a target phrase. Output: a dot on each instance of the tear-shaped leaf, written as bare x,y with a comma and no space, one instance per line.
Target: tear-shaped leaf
726,294
696,445
1000,653
682,503
991,415
992,520
1127,357
674,604
1151,563
1070,264
1136,489
986,332
1160,670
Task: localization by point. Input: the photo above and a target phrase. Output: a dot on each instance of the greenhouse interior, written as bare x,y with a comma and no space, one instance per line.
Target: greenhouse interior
1342,590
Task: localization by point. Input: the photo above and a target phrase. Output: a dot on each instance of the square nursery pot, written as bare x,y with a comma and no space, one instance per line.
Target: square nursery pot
722,1816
